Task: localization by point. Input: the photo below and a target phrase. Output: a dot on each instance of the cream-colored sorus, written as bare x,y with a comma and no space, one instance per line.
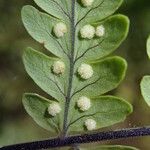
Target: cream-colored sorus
100,31
87,3
54,109
85,71
90,124
84,103
87,31
58,67
60,29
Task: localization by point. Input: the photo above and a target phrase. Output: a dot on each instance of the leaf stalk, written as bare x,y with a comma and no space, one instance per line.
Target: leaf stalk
71,72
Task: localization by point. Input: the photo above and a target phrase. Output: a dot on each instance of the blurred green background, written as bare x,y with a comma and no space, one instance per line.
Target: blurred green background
15,125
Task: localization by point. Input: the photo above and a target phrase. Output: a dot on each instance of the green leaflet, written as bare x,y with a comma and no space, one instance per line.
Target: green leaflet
39,67
116,30
37,106
59,9
108,74
145,88
111,147
40,27
105,110
99,10
145,83
148,47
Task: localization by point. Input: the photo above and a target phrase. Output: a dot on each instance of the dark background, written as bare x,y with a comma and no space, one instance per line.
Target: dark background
15,125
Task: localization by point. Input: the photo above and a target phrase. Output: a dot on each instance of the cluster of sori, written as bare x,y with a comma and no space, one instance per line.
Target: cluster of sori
85,71
87,3
84,104
88,31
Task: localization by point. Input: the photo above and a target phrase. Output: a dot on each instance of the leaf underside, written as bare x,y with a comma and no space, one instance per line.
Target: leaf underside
145,88
108,72
106,110
37,106
148,46
145,83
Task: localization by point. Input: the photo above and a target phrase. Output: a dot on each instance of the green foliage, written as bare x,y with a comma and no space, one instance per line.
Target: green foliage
39,68
145,88
106,110
36,106
145,83
114,147
60,9
55,8
72,50
148,47
116,28
108,147
107,7
108,73
40,26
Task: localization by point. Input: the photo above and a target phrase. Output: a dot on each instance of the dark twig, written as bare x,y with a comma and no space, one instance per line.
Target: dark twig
79,139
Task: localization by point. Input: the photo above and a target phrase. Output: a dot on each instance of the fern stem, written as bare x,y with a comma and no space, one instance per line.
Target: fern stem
68,97
80,139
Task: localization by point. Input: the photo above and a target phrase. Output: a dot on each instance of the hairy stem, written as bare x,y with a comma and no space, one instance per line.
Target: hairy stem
80,139
68,97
